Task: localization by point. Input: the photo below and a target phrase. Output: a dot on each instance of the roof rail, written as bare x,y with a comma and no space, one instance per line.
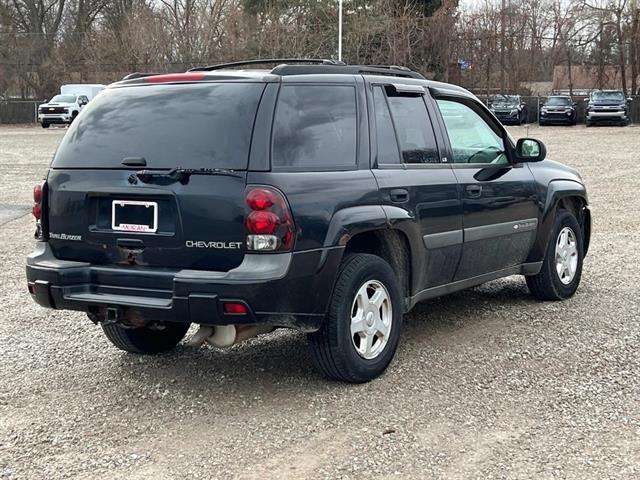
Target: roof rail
345,69
131,76
262,61
393,70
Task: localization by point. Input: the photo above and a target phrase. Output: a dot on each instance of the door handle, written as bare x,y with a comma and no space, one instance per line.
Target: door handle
399,195
474,191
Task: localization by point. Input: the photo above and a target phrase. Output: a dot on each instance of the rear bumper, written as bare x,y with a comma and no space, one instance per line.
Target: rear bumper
289,289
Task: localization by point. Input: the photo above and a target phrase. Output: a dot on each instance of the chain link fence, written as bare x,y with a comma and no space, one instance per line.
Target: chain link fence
26,111
19,111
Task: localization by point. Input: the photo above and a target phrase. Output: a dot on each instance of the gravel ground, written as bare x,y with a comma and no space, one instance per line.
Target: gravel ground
487,383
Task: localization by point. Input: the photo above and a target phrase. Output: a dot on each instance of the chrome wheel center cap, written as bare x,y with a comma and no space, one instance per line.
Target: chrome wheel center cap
369,319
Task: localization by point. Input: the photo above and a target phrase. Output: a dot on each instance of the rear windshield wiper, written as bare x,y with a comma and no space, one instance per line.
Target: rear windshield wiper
179,174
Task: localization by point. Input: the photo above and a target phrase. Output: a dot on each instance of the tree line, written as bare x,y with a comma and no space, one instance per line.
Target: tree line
492,44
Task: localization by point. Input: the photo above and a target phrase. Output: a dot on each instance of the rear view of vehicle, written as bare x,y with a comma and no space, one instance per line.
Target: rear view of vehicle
149,182
161,209
607,107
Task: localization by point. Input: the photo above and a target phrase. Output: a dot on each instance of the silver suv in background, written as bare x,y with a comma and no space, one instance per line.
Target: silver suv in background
607,107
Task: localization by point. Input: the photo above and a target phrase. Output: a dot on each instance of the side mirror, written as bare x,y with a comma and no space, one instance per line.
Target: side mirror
530,150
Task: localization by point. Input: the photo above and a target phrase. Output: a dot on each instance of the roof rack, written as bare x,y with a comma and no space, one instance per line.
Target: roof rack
393,71
262,61
302,66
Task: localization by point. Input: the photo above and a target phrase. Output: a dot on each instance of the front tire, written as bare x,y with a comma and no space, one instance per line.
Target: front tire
562,266
45,125
360,334
144,340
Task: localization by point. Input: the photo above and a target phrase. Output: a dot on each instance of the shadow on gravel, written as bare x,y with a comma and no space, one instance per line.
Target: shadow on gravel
11,212
280,361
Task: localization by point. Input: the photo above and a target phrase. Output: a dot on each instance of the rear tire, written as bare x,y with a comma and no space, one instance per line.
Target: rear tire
360,334
144,340
562,266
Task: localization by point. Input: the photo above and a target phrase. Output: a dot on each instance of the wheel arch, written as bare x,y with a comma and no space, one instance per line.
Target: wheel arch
568,195
391,245
388,232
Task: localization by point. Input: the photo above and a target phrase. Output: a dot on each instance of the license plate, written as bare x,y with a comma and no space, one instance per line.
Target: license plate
134,216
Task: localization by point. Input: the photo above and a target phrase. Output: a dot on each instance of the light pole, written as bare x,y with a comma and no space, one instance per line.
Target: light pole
339,30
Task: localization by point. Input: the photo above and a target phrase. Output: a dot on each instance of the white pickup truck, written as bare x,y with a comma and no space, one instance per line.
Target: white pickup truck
63,108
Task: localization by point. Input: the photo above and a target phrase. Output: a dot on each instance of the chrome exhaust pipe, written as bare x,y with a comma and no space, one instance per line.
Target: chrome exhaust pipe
223,336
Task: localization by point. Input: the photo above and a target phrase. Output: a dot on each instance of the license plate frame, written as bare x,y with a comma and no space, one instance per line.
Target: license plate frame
133,227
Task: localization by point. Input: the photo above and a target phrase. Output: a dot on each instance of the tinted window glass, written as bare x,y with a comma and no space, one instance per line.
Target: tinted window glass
415,133
63,99
471,138
204,125
558,101
386,137
315,127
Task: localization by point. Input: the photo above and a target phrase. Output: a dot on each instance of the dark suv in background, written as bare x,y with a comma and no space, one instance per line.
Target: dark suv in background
558,110
510,109
319,196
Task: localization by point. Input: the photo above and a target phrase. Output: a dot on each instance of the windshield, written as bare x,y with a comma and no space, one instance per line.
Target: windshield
206,125
608,96
64,99
505,99
558,101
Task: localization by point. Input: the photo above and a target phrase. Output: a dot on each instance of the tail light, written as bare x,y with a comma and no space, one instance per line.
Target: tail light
268,223
36,210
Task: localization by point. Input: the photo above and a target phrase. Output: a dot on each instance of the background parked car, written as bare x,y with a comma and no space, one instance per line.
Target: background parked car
558,109
607,107
64,108
510,109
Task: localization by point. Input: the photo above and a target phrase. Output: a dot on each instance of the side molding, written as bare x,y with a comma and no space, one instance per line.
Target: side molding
443,239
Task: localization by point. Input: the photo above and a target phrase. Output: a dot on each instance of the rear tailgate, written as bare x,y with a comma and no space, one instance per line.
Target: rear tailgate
104,210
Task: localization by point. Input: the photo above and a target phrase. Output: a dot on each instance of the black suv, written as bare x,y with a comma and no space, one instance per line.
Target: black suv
324,197
558,110
510,109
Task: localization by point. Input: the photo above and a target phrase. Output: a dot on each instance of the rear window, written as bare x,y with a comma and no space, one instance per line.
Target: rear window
206,125
315,127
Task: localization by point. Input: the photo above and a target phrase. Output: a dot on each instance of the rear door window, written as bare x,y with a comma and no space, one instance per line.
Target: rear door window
315,127
413,127
206,125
